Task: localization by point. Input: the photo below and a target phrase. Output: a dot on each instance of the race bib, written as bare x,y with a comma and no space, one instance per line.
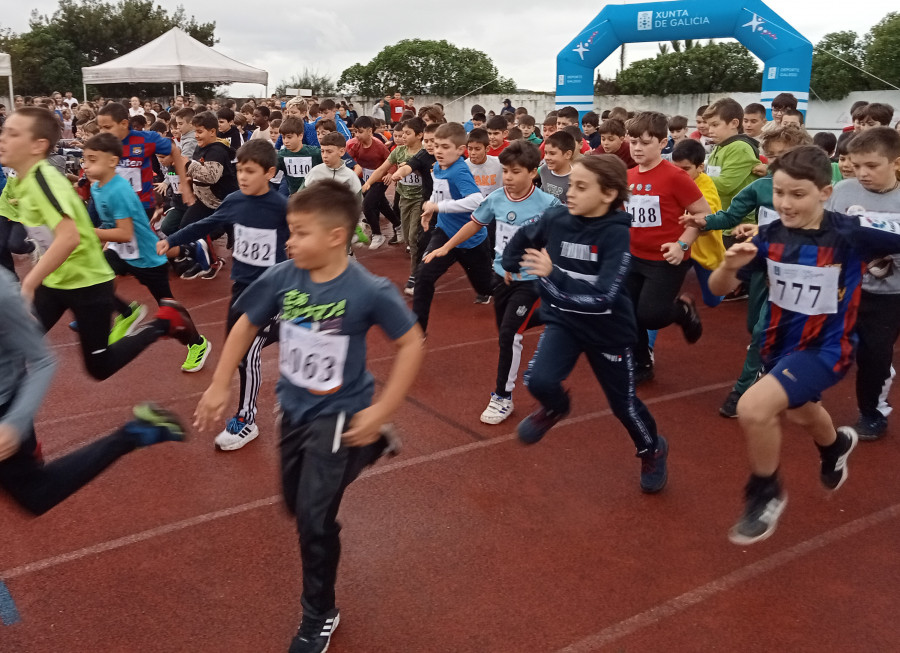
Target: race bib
42,235
255,246
174,182
412,179
803,288
366,174
312,360
644,210
126,251
714,171
132,176
505,232
441,190
297,166
889,222
766,216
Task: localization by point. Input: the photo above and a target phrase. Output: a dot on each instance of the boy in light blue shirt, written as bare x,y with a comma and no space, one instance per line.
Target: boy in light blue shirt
130,242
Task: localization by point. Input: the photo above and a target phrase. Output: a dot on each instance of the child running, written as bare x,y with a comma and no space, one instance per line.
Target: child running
660,195
453,198
73,273
130,242
581,255
757,197
814,260
330,428
26,370
875,194
257,213
516,297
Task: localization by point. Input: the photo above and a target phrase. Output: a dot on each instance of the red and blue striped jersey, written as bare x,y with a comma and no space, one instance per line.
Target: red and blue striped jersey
815,278
138,150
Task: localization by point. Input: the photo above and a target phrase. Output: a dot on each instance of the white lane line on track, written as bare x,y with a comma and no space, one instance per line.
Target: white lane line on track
724,583
165,529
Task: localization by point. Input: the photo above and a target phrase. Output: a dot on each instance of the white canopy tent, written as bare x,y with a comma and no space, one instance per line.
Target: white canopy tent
173,57
6,71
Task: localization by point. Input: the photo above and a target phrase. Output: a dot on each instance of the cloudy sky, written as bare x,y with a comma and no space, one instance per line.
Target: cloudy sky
523,41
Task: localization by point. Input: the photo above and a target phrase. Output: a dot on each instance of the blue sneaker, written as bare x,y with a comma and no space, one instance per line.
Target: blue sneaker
535,426
153,425
654,472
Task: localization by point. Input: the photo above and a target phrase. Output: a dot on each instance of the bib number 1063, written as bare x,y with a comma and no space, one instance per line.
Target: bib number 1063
312,360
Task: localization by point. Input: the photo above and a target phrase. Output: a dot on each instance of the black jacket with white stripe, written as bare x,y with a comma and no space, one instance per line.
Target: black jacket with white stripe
586,291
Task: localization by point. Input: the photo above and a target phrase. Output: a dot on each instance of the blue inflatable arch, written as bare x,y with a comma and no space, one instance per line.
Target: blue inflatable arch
786,55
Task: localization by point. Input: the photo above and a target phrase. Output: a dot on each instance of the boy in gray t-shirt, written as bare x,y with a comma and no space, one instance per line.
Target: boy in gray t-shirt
330,428
874,193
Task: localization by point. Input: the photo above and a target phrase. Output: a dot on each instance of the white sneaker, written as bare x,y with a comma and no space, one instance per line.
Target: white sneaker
497,410
236,435
377,241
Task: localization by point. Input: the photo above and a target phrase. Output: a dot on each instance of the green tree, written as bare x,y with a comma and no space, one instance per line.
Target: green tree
834,78
49,57
320,85
713,68
882,46
419,66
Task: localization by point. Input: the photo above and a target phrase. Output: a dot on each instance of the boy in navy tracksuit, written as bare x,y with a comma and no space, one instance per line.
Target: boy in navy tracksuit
259,216
581,255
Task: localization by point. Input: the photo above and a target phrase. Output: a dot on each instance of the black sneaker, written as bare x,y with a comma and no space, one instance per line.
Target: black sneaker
654,470
737,294
643,374
834,464
535,426
693,328
397,238
314,635
761,513
482,299
193,272
871,428
213,270
729,407
410,288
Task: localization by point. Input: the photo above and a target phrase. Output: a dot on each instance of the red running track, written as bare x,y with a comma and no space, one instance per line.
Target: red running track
468,541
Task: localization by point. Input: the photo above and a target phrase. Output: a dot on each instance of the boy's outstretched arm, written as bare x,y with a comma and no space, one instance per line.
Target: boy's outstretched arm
724,278
211,406
365,425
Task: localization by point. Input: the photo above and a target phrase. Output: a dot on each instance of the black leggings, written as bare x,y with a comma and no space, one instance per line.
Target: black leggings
654,287
374,204
316,468
155,279
92,307
38,487
476,261
878,327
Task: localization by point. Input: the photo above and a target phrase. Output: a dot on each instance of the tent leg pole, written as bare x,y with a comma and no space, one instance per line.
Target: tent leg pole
84,88
182,87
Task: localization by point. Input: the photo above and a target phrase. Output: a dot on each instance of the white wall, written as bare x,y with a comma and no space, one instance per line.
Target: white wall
822,116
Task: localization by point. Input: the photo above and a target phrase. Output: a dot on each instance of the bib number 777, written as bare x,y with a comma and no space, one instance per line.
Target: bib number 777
803,288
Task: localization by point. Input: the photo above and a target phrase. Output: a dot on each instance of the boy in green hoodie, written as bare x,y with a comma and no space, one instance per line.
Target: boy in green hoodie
734,156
